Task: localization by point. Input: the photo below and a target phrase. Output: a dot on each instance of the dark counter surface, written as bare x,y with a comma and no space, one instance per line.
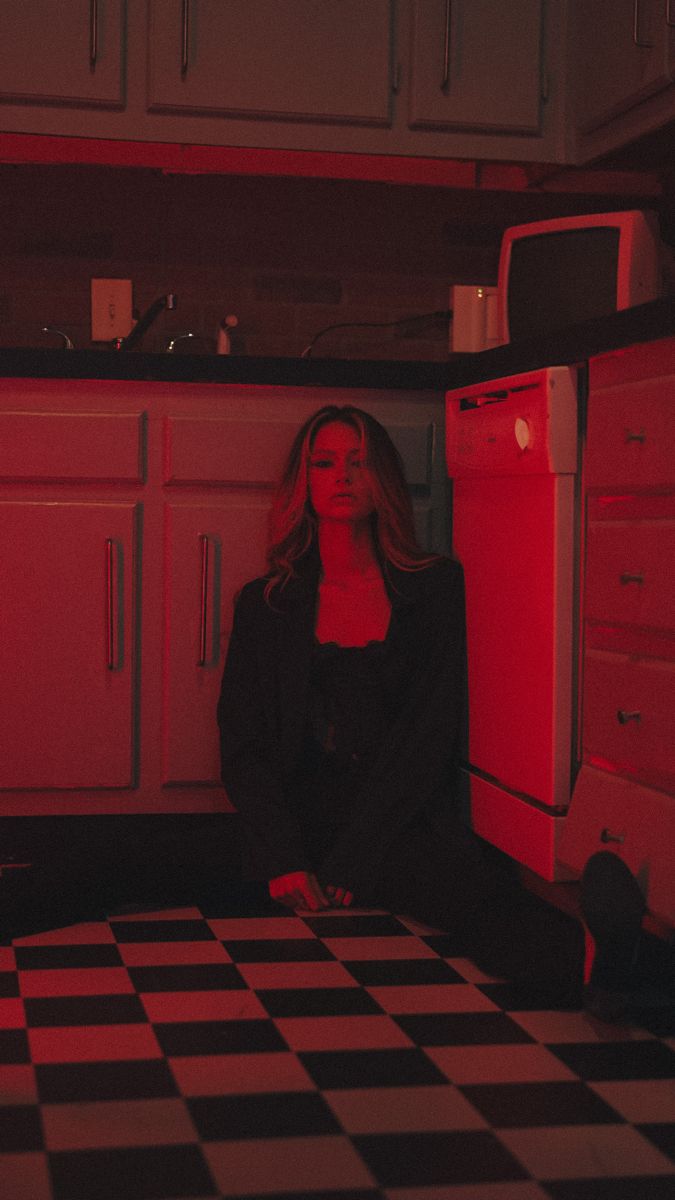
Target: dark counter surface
573,344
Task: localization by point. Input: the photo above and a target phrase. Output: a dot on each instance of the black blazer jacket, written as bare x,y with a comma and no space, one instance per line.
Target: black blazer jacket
262,714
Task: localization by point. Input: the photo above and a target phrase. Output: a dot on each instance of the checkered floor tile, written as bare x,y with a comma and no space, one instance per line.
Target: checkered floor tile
350,1056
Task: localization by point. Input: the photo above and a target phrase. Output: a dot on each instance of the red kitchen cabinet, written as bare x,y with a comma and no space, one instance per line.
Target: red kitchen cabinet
67,53
67,654
624,797
131,513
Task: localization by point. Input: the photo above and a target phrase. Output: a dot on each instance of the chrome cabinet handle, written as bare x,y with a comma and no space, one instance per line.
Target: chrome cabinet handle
624,717
185,39
636,27
606,836
110,602
93,34
204,604
446,46
640,436
626,577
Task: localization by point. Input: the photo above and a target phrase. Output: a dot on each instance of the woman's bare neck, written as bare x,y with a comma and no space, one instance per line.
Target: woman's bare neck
346,551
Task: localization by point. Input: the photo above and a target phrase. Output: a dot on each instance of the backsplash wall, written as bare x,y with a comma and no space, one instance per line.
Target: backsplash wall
287,256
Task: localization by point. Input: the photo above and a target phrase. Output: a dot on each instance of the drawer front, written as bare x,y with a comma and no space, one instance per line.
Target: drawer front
219,450
629,716
609,813
644,360
631,436
222,450
72,446
630,567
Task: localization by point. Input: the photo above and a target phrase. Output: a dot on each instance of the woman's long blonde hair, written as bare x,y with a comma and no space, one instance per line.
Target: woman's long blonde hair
293,526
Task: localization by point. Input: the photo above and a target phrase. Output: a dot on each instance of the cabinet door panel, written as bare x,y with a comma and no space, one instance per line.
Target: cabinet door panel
68,52
476,65
620,50
66,598
211,550
303,59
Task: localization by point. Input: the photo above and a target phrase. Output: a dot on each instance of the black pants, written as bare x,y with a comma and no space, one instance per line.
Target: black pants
461,884
455,883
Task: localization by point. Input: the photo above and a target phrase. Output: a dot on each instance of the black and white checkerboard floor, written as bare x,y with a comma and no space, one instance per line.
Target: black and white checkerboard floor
188,1053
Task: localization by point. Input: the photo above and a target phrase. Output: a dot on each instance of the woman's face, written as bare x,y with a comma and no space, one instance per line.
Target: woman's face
339,482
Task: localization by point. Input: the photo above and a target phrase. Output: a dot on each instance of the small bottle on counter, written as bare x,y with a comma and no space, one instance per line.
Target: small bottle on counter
224,340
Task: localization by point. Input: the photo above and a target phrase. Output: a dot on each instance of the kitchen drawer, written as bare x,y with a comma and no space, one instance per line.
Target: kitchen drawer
218,450
630,567
629,716
72,446
638,824
631,436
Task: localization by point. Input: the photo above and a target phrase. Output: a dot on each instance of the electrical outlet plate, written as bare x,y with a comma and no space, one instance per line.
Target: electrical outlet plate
111,306
474,321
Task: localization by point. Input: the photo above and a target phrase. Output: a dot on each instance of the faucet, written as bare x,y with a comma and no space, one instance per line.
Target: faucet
67,344
132,339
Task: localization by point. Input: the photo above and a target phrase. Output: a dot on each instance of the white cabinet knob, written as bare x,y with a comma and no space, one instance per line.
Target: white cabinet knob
523,433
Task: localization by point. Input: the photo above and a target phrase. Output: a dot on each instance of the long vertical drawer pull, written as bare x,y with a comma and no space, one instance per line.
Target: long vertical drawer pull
640,436
185,39
636,27
93,34
606,836
626,577
446,46
204,605
110,602
624,717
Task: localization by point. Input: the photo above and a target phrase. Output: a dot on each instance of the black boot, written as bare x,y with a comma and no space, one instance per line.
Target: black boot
613,907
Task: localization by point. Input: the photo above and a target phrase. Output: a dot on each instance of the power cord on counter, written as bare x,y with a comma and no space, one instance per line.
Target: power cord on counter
443,315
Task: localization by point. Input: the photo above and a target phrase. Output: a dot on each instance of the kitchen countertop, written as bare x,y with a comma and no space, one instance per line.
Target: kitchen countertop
573,344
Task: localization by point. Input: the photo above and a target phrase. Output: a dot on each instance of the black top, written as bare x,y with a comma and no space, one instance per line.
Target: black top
266,698
352,699
349,711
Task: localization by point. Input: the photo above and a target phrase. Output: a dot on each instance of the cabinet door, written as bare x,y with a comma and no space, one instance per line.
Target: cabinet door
326,60
66,596
476,65
619,56
68,52
211,550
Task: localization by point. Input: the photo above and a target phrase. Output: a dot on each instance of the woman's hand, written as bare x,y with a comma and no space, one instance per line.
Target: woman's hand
339,897
299,889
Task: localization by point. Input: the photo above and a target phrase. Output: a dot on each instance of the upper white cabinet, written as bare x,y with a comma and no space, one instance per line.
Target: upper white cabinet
428,78
476,65
328,60
621,70
61,52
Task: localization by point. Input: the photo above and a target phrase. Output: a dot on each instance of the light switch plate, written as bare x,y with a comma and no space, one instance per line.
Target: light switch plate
111,305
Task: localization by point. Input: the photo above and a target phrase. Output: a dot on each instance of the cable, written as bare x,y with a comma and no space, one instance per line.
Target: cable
444,314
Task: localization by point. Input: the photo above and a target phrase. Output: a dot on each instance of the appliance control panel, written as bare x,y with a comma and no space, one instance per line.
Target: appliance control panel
524,424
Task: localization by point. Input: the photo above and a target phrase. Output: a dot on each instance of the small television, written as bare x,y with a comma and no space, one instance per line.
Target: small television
558,272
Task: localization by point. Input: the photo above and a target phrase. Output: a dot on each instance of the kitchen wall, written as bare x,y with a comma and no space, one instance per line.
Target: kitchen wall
287,256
